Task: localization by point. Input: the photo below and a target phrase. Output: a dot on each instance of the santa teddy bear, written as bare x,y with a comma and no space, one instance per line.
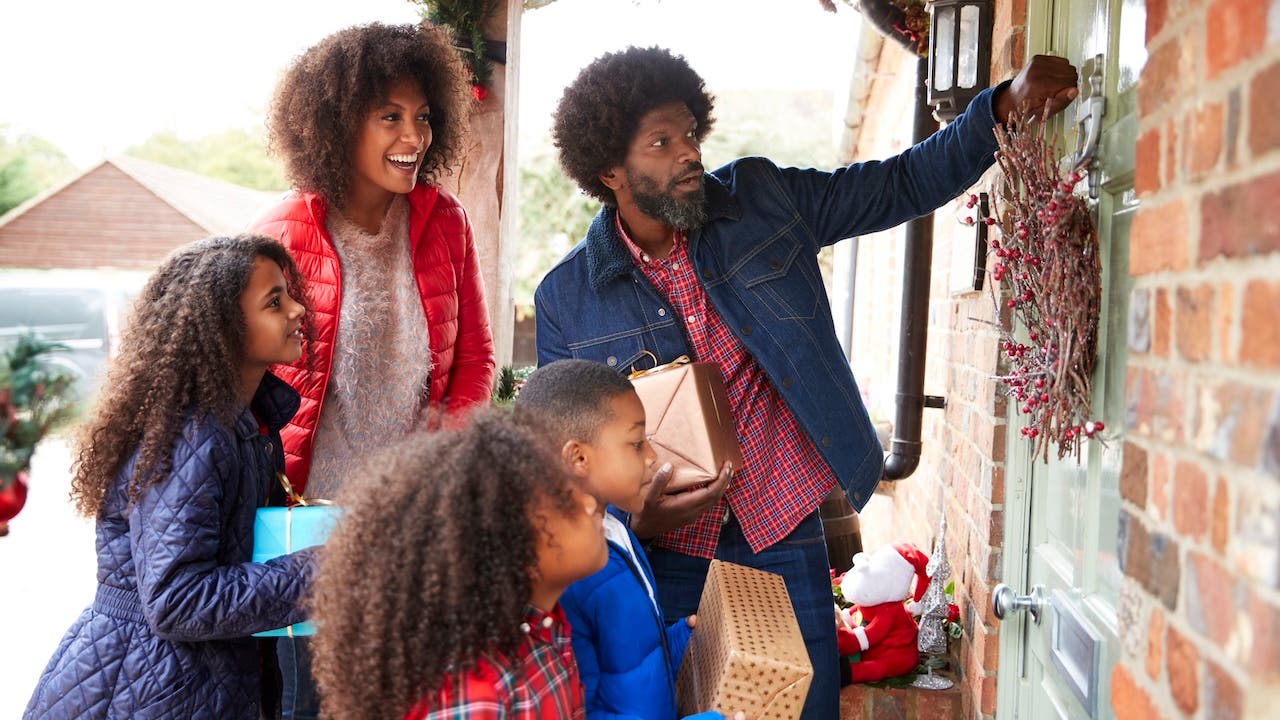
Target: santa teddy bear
877,585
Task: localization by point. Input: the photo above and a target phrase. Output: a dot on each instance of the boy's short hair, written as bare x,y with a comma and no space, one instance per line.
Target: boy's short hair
573,395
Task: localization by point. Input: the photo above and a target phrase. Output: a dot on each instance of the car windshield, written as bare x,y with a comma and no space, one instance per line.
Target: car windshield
54,313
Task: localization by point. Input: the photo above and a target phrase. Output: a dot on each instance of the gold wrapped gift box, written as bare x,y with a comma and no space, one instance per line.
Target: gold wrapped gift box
688,421
746,653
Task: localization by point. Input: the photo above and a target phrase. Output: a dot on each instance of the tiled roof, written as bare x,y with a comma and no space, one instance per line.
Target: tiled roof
124,213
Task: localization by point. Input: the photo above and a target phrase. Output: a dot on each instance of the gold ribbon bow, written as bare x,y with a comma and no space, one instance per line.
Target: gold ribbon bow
293,495
682,360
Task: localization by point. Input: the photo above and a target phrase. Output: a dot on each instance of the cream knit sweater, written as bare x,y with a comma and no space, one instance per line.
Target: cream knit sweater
381,359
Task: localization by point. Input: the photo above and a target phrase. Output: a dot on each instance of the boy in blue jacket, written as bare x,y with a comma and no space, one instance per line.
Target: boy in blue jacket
627,654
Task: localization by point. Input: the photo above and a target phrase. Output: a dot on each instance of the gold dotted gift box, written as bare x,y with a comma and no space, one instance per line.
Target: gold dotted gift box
746,653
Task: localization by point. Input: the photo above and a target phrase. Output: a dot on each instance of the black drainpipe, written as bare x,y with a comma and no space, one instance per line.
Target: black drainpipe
904,449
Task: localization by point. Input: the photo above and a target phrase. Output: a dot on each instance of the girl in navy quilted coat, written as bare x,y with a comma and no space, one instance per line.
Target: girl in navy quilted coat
183,448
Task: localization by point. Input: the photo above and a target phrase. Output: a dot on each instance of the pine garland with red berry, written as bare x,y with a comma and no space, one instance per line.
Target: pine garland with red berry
467,19
1048,271
34,398
904,21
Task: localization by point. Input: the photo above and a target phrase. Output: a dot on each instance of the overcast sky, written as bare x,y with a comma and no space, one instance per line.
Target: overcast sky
95,77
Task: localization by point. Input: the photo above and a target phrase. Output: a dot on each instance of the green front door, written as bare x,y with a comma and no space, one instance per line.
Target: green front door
1062,517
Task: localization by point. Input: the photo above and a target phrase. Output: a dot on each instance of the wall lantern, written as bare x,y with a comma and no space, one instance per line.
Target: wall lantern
959,54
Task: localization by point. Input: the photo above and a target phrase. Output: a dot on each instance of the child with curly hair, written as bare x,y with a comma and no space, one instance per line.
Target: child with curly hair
366,121
437,595
627,654
183,448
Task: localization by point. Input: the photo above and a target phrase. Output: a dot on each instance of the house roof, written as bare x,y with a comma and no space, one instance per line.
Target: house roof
124,213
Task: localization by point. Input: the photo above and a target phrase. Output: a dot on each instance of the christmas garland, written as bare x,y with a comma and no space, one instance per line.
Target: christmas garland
904,21
1048,271
467,19
33,400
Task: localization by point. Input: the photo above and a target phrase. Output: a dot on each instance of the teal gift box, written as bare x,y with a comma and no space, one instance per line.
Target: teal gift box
279,531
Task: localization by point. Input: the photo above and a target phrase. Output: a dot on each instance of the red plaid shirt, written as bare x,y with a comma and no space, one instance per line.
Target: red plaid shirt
540,683
782,478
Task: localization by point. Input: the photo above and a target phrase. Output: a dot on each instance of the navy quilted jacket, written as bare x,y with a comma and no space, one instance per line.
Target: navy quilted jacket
168,634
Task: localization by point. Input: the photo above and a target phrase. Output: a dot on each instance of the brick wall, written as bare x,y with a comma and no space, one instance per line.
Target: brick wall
962,464
1201,478
1200,517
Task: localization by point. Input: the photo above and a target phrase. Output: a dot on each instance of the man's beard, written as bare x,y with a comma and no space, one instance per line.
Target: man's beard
685,213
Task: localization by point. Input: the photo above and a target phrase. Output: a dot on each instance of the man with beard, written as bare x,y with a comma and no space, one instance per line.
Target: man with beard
722,267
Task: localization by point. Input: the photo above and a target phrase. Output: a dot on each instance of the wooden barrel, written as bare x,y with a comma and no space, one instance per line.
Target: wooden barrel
840,526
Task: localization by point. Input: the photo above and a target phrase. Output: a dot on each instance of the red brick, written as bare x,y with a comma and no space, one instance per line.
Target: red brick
1183,666
1162,77
1223,697
1159,487
997,483
1203,139
1129,701
1220,525
1230,420
1146,179
1194,322
940,705
889,704
1225,322
855,701
1259,331
1262,661
1264,108
1234,31
1190,500
1240,221
1171,134
1155,644
1162,328
1158,403
1157,13
1133,475
1213,598
988,701
1158,239
1150,558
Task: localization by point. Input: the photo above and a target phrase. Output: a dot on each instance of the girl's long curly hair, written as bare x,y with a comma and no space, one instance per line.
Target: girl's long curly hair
431,566
600,111
327,93
180,357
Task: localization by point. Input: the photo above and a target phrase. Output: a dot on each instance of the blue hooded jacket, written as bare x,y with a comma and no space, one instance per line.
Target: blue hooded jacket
168,634
627,655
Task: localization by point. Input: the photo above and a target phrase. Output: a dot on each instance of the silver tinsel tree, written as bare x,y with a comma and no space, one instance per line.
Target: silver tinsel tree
932,638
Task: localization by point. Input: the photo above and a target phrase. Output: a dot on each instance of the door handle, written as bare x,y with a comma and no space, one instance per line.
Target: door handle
1093,105
1004,601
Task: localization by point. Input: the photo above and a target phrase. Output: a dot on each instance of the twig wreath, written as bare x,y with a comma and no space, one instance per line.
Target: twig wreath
1049,275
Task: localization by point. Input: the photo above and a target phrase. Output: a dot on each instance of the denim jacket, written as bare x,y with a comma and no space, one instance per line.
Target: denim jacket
756,258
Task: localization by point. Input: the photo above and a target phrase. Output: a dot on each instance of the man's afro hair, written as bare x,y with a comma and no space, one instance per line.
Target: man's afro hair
600,111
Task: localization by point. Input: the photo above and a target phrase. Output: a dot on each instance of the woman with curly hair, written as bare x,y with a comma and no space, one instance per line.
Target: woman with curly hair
438,594
182,450
366,121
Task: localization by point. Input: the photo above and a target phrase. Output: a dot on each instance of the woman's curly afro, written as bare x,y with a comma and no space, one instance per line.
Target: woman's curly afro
325,95
598,115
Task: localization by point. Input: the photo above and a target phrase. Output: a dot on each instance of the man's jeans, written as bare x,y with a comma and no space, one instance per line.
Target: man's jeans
801,560
299,700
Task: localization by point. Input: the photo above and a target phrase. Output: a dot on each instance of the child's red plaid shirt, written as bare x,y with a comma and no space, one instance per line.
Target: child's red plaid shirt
782,478
539,683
